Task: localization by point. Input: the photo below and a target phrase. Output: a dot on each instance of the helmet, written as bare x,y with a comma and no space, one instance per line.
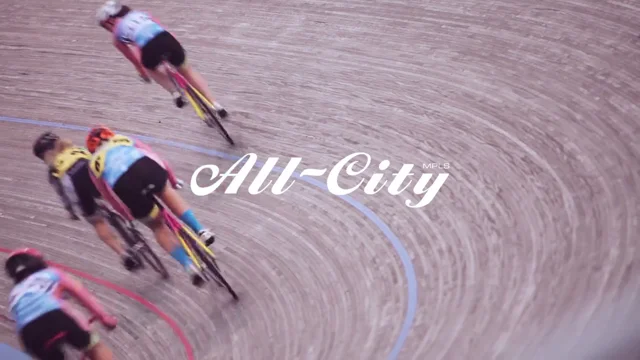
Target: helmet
108,10
44,143
24,262
96,136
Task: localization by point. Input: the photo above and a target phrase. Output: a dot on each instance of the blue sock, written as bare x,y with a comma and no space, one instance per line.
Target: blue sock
190,219
181,256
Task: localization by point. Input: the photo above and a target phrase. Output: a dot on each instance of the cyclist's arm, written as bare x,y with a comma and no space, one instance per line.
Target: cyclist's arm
75,288
131,53
59,188
147,150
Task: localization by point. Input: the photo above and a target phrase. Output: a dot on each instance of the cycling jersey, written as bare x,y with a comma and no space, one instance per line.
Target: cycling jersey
66,165
40,293
114,158
67,158
137,27
34,296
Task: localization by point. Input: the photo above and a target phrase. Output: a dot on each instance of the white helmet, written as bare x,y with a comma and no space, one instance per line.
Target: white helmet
107,10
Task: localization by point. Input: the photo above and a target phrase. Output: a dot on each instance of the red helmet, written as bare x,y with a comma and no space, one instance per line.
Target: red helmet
96,136
23,262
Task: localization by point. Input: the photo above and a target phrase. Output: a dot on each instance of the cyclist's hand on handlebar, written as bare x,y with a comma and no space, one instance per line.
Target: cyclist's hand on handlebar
109,322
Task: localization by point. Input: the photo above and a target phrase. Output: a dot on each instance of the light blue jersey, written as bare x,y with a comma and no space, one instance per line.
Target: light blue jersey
34,297
118,160
137,27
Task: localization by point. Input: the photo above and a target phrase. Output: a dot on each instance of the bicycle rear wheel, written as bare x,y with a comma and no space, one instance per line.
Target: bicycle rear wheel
210,265
212,118
136,242
149,255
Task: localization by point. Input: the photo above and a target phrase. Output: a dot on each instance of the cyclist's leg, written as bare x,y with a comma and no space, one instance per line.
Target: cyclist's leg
146,175
178,206
99,351
81,337
178,59
87,194
200,84
151,56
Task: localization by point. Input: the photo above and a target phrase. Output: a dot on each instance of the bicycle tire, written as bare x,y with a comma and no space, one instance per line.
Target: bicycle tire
117,222
150,256
212,117
138,244
210,265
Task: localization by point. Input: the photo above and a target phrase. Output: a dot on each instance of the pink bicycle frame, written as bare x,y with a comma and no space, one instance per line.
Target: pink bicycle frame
169,219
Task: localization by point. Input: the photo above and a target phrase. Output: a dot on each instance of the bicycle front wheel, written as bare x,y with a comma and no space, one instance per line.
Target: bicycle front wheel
210,265
212,118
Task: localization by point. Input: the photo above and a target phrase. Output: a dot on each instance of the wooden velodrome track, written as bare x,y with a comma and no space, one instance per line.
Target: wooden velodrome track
524,253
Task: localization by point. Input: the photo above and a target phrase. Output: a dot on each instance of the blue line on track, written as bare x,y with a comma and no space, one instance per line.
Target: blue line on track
397,245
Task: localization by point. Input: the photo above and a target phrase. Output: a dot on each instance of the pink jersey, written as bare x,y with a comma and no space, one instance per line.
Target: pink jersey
43,291
126,151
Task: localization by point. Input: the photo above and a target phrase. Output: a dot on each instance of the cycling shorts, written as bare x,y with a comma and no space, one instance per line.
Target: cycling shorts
45,336
138,185
162,44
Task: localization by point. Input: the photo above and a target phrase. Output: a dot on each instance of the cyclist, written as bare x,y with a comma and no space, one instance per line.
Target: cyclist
129,174
69,175
44,321
150,42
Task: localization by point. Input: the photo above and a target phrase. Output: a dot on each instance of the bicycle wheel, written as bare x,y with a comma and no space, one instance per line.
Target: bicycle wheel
213,120
118,223
140,249
149,255
210,264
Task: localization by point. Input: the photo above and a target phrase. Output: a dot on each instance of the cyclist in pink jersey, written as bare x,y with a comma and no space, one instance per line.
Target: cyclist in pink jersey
44,321
150,42
129,175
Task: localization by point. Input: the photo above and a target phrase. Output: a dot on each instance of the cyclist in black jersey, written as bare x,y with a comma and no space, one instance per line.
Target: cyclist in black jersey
69,176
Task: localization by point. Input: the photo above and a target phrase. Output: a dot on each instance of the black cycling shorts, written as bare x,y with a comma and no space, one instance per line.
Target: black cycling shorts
139,184
163,44
84,187
44,337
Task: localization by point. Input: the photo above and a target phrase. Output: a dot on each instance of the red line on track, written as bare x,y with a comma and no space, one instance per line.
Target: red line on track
130,294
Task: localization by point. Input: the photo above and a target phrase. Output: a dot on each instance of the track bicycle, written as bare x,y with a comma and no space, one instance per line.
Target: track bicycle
136,242
203,108
198,251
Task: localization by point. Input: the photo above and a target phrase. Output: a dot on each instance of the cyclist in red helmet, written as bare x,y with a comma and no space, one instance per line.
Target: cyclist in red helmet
44,321
129,174
69,175
144,42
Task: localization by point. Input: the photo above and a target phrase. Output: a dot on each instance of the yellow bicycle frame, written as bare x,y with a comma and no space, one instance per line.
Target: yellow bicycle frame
188,248
194,104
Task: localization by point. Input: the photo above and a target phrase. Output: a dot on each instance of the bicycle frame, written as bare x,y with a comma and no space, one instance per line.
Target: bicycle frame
175,227
182,84
199,102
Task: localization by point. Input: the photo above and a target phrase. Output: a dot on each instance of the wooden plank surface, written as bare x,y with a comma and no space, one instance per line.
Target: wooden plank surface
533,104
